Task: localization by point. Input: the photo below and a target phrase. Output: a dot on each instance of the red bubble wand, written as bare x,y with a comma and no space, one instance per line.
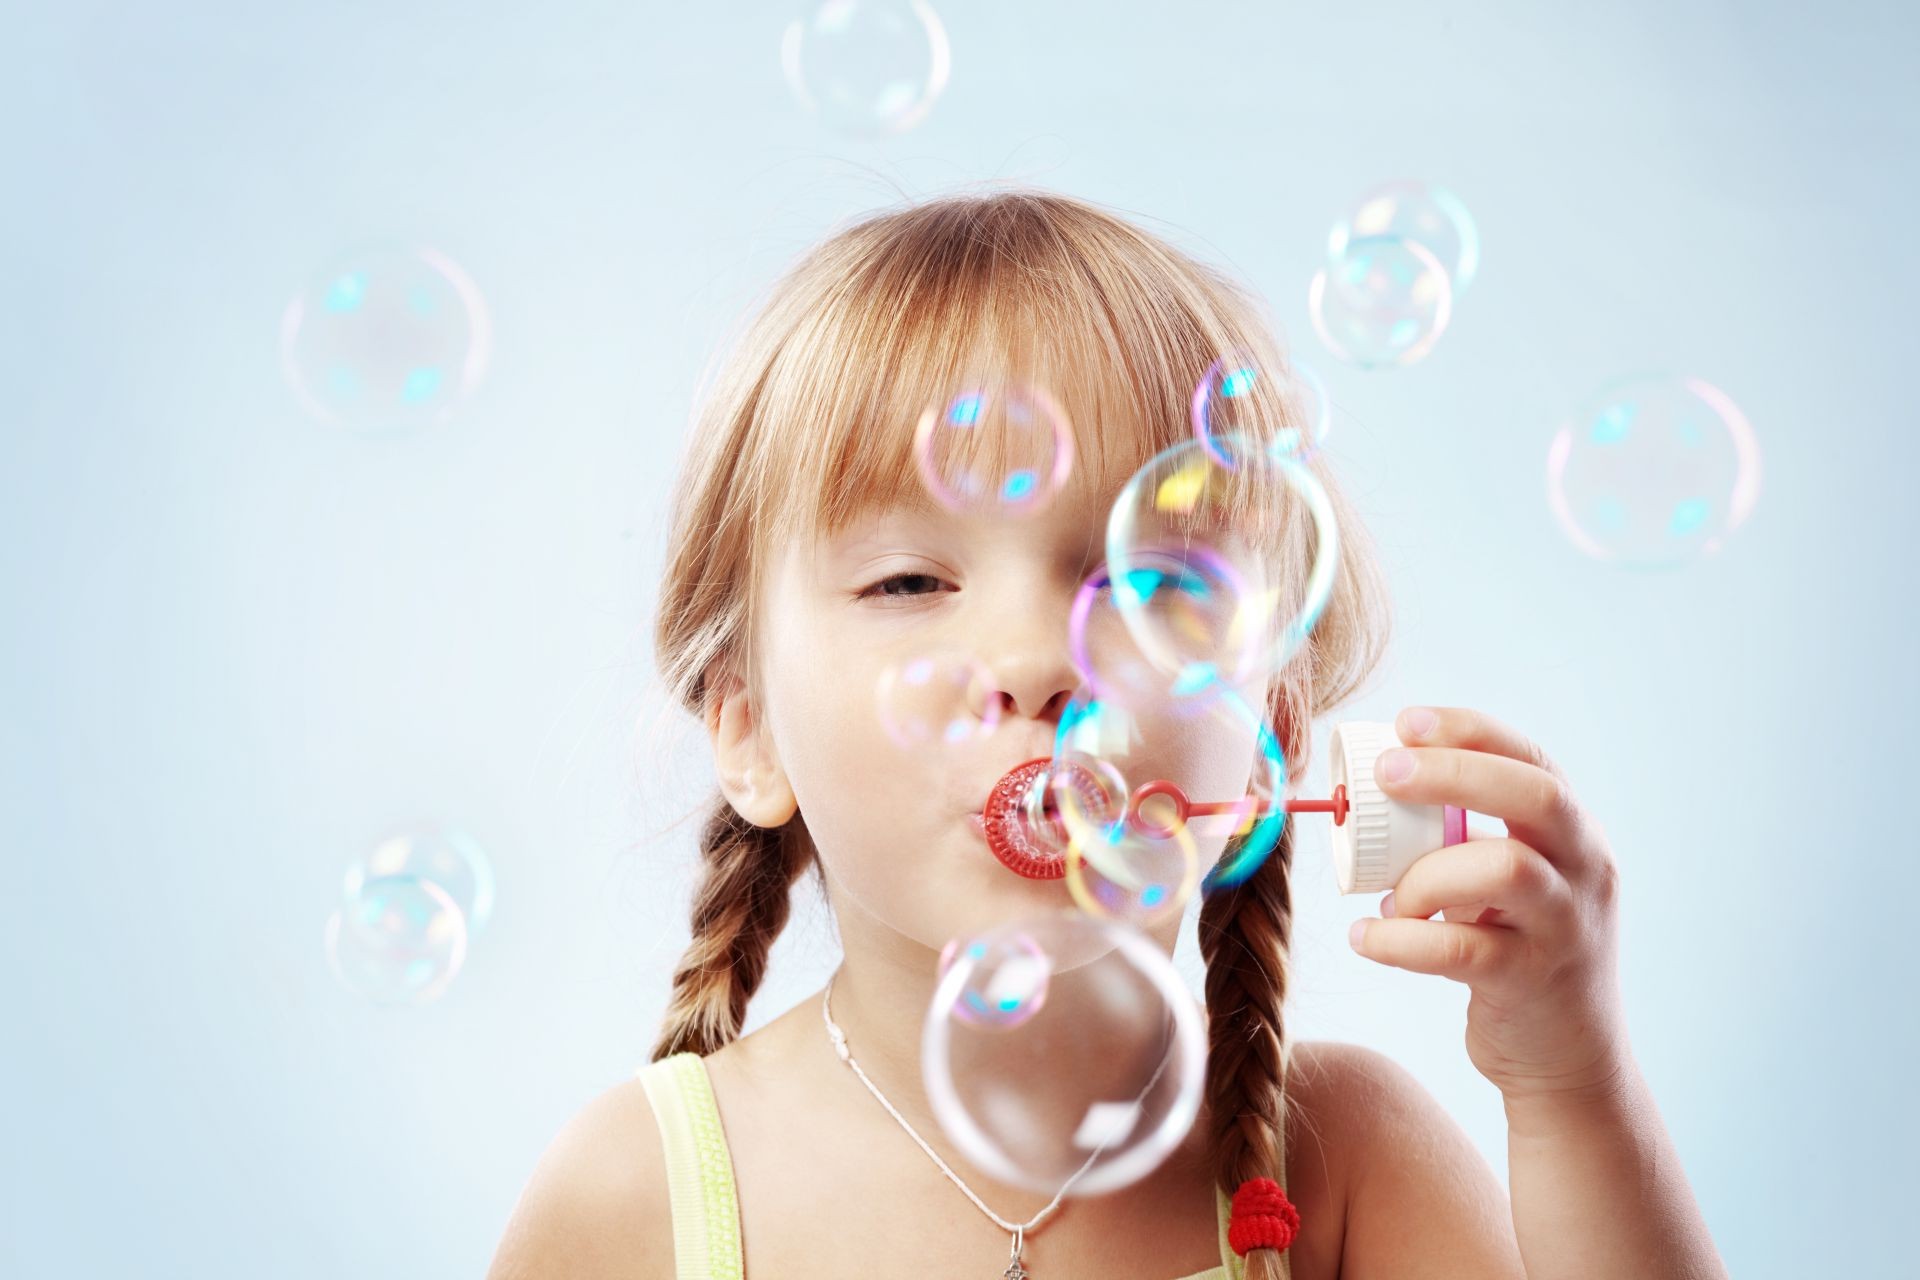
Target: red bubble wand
1012,836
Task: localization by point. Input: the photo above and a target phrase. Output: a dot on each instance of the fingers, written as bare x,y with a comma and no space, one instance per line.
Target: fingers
1466,880
1475,731
1538,807
1485,957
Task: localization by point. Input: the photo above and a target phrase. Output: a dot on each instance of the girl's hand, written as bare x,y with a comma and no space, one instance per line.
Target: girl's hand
1529,918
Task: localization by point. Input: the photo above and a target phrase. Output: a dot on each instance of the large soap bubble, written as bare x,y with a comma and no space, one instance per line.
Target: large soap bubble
1417,210
400,940
1064,1051
1384,302
434,851
1653,471
1191,553
868,68
385,339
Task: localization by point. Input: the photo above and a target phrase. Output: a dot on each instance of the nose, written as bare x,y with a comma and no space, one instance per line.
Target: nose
1030,668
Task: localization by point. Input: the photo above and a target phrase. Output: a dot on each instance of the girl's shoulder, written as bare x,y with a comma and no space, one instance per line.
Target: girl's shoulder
597,1204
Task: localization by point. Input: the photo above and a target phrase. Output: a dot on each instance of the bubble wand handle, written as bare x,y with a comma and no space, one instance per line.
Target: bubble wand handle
1245,809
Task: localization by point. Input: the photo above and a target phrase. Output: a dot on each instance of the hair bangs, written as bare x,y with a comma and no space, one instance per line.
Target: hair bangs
970,337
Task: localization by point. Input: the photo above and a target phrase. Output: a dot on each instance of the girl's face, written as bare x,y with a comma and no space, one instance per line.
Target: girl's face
895,825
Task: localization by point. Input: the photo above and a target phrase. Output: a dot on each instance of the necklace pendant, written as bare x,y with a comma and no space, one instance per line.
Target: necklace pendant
1014,1271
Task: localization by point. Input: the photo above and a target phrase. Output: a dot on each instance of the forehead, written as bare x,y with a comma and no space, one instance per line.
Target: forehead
1077,514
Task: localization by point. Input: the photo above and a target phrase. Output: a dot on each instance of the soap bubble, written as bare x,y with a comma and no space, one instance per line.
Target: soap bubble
1416,210
1095,1085
400,940
437,852
1191,579
386,339
1173,788
1384,302
995,451
1309,392
1006,982
868,68
1110,660
941,698
1653,471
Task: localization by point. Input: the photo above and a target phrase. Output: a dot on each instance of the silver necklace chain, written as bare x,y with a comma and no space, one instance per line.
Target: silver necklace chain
1019,1230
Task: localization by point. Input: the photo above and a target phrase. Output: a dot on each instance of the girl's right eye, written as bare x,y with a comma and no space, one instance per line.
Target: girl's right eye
880,588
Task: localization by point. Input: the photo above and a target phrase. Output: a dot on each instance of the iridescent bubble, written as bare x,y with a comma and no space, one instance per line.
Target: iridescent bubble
1195,596
1199,783
1188,550
438,852
1420,211
1006,982
868,68
994,451
1307,390
1091,1089
939,698
400,940
1653,471
385,339
1384,302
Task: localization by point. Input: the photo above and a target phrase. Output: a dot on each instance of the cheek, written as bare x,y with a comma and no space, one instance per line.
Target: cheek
847,777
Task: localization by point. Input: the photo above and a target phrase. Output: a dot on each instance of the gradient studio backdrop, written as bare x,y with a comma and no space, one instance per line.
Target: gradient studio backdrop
239,643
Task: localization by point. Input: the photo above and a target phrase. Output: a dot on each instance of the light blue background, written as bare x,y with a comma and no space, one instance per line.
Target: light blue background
238,644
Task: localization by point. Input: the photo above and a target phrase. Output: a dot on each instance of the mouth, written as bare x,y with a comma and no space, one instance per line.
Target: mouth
1009,833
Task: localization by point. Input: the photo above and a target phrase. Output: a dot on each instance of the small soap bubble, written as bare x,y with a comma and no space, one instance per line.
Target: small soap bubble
385,339
1653,472
399,941
868,68
937,699
1384,302
994,451
438,852
1417,210
1308,392
1280,413
1092,1087
1006,982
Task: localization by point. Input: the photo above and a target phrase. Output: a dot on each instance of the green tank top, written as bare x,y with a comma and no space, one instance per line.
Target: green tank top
706,1204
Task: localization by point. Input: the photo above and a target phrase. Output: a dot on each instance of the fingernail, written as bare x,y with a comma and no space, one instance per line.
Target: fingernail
1354,934
1386,905
1396,765
1421,721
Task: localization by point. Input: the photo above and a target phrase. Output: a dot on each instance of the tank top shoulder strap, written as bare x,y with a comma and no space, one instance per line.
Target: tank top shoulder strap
1232,1265
700,1185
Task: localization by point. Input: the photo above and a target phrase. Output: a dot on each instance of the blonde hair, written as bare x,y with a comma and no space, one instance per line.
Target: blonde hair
810,420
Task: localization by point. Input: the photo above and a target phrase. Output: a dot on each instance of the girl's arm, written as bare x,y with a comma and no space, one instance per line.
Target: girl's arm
1598,1189
1529,922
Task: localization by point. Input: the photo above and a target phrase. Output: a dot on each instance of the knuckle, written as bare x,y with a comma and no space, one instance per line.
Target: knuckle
1539,759
1607,880
1457,951
1557,797
1524,869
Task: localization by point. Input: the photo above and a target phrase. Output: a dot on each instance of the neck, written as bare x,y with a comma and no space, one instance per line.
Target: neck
881,994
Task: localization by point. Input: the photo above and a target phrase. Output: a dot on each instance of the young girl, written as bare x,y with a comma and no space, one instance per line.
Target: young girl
805,558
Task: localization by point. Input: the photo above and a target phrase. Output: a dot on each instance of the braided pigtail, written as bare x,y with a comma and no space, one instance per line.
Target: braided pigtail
739,908
1244,934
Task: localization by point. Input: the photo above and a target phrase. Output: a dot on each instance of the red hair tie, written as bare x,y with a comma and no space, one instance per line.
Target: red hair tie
1262,1217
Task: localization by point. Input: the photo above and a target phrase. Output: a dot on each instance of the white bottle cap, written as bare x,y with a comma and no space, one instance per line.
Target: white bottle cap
1381,837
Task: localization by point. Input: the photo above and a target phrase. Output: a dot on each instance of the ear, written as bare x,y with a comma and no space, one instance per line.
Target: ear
750,774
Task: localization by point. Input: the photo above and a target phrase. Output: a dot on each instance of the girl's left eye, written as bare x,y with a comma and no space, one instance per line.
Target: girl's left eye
880,588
